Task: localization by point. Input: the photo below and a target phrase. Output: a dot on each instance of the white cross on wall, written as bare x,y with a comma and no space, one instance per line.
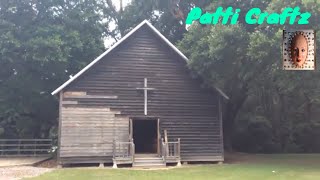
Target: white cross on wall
145,91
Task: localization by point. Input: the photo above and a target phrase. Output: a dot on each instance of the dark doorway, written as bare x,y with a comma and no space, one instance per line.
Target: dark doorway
145,136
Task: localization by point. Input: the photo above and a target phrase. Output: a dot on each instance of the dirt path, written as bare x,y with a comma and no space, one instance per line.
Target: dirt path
19,172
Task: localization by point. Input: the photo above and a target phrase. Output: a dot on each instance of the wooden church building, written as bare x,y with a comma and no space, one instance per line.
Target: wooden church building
137,104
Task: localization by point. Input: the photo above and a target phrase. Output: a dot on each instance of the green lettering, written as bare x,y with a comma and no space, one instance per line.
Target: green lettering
295,13
235,17
284,15
251,12
226,15
262,18
273,18
304,18
193,15
206,18
217,15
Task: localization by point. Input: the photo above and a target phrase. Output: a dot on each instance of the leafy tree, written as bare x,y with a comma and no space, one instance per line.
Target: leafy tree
42,43
245,61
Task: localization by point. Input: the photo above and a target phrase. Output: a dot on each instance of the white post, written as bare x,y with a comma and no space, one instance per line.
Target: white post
179,163
114,165
145,95
101,165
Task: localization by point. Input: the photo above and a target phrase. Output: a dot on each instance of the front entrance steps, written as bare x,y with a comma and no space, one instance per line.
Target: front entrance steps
148,161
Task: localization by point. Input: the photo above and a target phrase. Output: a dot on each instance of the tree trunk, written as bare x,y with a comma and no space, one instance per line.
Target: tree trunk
230,113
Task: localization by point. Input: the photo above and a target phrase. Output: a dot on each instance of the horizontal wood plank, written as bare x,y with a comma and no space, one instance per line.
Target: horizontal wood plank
185,109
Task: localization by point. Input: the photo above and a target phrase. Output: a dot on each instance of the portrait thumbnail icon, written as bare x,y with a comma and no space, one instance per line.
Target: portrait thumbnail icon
299,50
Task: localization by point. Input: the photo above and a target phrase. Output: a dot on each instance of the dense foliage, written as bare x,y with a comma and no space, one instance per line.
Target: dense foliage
41,43
270,110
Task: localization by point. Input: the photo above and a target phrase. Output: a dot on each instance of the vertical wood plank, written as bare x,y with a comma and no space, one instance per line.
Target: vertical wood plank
165,136
131,130
158,136
59,128
166,142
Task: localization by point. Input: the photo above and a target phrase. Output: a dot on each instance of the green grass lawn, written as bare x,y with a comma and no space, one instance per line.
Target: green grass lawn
246,167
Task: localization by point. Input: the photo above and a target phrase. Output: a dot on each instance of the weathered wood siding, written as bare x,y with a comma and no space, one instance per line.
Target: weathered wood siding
90,131
185,110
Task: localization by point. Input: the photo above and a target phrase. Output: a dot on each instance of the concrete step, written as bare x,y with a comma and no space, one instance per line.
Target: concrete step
146,155
149,158
148,162
149,165
153,162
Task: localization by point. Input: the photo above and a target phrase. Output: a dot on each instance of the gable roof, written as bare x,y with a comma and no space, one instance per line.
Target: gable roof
145,22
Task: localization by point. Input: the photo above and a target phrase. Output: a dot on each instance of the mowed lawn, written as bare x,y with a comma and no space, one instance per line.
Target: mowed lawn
238,167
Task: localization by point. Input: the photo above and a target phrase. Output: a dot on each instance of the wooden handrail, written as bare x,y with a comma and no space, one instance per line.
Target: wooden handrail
124,150
170,149
163,150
